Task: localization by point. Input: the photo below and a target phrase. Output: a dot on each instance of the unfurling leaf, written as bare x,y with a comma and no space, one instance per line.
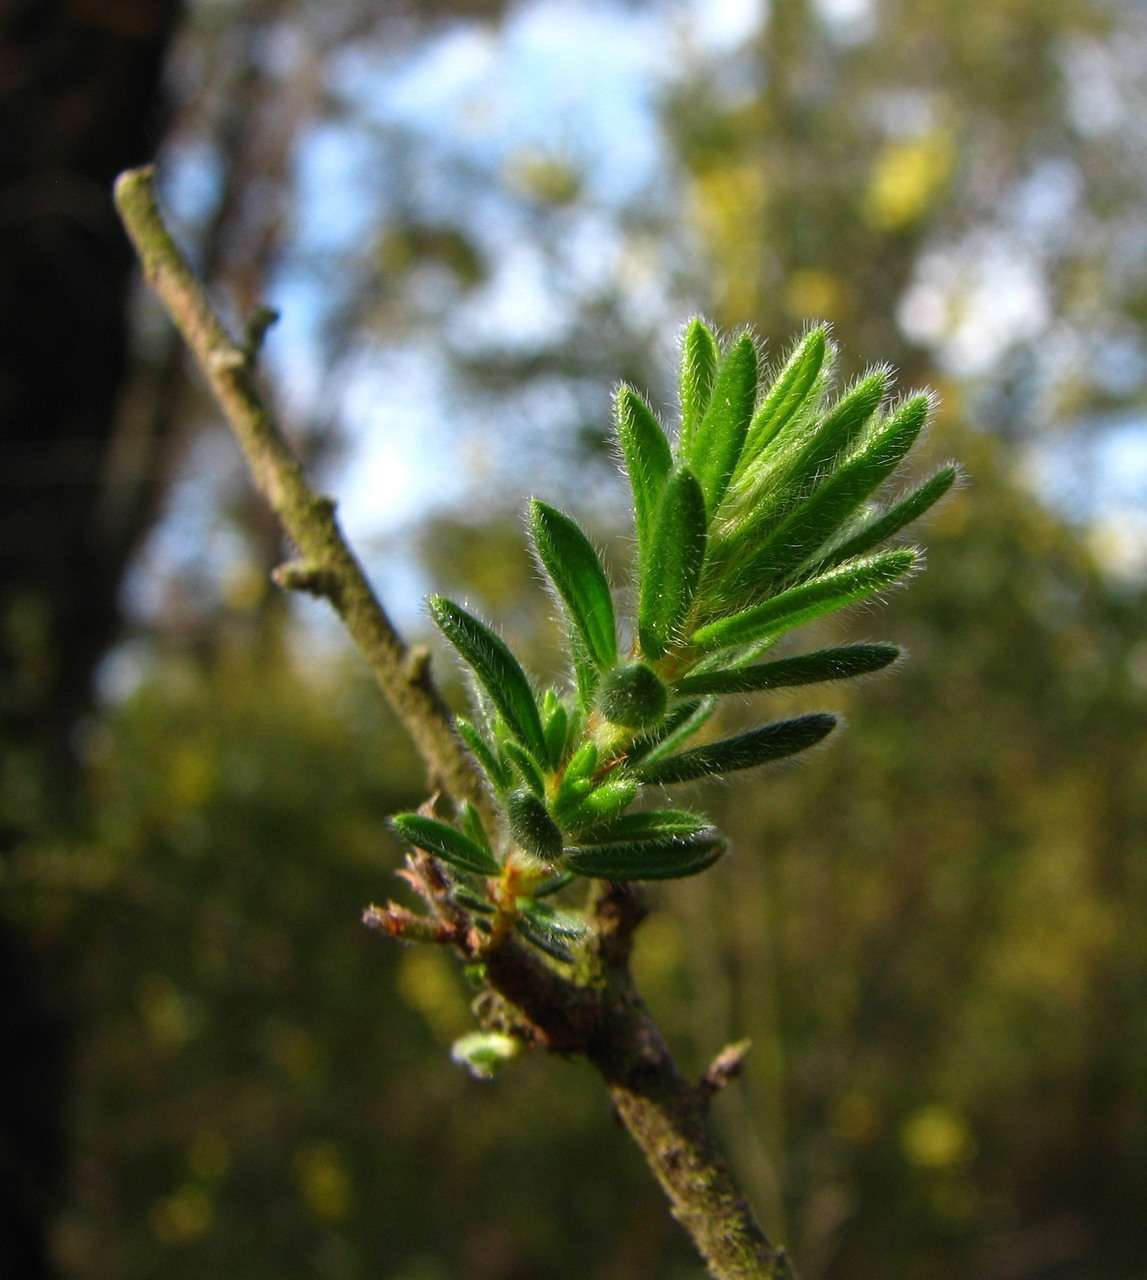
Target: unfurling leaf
841,663
445,842
576,572
714,449
497,670
699,356
676,554
760,746
663,857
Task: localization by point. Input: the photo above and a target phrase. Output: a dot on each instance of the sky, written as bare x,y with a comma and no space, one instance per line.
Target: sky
582,81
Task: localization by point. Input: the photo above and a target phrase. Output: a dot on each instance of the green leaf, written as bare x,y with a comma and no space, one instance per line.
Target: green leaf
771,742
576,572
444,842
669,577
841,663
668,857
586,674
714,449
532,827
651,825
497,671
699,356
526,769
797,469
602,804
900,514
472,825
832,502
553,884
583,762
648,459
481,750
552,944
554,920
851,582
555,726
680,725
465,897
793,390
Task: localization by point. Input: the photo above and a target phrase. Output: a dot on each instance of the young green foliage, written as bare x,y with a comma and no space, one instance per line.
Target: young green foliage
762,517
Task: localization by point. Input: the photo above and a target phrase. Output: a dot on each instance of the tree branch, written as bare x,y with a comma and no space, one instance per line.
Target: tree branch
602,1017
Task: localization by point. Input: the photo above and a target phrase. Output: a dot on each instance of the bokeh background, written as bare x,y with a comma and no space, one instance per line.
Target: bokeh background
476,217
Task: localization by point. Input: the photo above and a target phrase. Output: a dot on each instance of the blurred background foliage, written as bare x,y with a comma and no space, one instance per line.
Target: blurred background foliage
477,218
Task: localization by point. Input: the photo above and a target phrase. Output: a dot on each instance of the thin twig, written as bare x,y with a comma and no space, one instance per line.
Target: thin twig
602,1019
308,518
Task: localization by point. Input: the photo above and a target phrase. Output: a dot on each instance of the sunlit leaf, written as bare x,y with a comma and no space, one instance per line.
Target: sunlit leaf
676,553
835,500
889,522
481,750
699,356
577,573
496,669
857,580
713,450
790,394
648,460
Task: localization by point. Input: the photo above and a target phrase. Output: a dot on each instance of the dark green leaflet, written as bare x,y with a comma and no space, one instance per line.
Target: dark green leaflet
841,663
771,742
445,842
577,573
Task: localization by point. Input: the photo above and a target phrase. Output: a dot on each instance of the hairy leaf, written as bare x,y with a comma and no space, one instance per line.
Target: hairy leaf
896,517
525,767
841,663
680,725
496,669
555,726
676,554
532,827
714,449
650,825
553,944
445,842
831,504
845,585
771,742
602,804
577,573
791,392
648,459
667,857
481,750
699,356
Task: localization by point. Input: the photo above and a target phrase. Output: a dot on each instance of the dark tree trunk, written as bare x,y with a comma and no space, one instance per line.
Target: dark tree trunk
80,99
